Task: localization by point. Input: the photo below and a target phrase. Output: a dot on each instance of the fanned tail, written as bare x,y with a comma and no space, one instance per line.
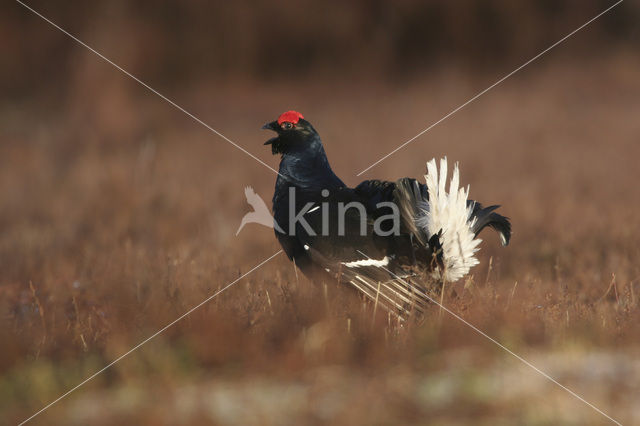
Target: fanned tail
447,214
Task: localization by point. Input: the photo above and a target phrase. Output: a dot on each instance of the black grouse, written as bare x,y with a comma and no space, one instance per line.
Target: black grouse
386,239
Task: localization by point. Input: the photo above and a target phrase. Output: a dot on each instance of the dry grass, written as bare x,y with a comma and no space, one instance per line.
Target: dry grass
119,214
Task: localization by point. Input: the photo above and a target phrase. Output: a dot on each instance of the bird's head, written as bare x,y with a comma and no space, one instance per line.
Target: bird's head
294,133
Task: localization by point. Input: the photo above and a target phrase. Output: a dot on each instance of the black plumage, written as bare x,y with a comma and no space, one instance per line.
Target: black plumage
386,259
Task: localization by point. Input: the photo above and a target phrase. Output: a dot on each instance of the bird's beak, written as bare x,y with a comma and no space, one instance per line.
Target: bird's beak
273,125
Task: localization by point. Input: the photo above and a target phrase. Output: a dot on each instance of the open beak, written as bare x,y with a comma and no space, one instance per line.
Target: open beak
273,125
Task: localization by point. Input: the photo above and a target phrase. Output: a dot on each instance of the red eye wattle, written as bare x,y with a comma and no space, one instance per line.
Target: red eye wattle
291,116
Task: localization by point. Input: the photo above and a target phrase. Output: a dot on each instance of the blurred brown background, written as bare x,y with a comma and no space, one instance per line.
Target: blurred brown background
173,44
119,212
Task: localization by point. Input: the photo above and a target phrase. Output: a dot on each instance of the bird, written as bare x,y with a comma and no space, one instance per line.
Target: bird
395,242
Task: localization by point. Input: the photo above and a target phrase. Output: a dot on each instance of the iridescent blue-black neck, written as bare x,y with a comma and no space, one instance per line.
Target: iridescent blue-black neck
305,168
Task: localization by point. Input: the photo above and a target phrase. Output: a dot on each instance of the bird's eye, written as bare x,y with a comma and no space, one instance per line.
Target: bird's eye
286,125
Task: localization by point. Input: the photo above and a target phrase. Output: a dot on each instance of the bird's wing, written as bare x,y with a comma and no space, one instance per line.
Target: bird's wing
394,270
406,194
371,263
336,230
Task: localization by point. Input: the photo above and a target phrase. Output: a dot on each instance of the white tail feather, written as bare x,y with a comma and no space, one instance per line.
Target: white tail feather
448,212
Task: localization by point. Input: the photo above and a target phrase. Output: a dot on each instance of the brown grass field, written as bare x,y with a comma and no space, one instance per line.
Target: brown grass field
119,214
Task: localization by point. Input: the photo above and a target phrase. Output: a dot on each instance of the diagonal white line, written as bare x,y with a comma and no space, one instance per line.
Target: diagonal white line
490,87
151,337
500,345
151,89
